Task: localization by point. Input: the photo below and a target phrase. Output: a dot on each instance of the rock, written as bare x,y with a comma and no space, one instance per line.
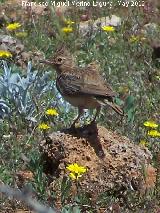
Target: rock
86,26
18,50
113,161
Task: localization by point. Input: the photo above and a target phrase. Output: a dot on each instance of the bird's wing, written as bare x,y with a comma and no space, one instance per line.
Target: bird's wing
68,84
71,84
94,80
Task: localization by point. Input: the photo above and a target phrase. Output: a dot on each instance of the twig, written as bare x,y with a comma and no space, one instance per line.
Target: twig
24,196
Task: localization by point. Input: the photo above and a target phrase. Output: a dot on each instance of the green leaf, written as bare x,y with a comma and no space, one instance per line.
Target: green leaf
76,209
129,108
71,209
65,188
118,101
130,114
129,102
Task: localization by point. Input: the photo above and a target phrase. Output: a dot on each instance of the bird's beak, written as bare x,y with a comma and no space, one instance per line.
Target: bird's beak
46,62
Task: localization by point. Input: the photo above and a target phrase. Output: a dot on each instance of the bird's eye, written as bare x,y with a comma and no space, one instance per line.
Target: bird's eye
59,59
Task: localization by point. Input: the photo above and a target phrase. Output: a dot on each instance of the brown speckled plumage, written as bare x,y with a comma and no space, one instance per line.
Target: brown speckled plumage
84,88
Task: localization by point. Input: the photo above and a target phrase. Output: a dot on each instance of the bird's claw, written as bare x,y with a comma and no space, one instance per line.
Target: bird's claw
93,123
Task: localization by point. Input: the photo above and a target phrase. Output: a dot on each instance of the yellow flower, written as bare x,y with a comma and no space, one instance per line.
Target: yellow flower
76,168
67,29
143,143
134,38
151,124
137,38
4,53
74,176
69,22
43,126
13,26
21,34
154,133
76,171
108,28
52,112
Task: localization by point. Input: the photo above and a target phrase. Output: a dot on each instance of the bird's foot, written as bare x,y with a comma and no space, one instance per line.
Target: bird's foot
72,128
93,123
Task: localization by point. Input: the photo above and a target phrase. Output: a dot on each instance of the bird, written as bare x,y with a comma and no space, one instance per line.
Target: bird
84,88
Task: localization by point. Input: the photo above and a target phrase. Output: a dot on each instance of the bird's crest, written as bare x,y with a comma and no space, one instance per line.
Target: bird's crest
62,51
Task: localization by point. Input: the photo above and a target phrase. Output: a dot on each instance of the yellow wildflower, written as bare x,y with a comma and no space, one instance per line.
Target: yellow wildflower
143,143
74,176
76,171
134,38
137,38
69,22
108,28
13,26
151,124
52,112
21,34
154,133
4,53
43,126
67,29
76,168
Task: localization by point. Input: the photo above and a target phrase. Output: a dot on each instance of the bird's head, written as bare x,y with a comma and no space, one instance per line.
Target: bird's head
62,61
55,61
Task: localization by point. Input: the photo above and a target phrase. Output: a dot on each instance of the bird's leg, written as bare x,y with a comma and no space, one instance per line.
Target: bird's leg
80,113
97,113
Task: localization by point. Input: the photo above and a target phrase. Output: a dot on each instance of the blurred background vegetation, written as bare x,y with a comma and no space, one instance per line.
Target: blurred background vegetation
129,60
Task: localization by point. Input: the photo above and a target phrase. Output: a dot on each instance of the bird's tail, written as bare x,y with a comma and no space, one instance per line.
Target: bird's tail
115,107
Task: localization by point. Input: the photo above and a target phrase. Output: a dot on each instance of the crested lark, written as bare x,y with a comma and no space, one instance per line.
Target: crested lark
84,88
